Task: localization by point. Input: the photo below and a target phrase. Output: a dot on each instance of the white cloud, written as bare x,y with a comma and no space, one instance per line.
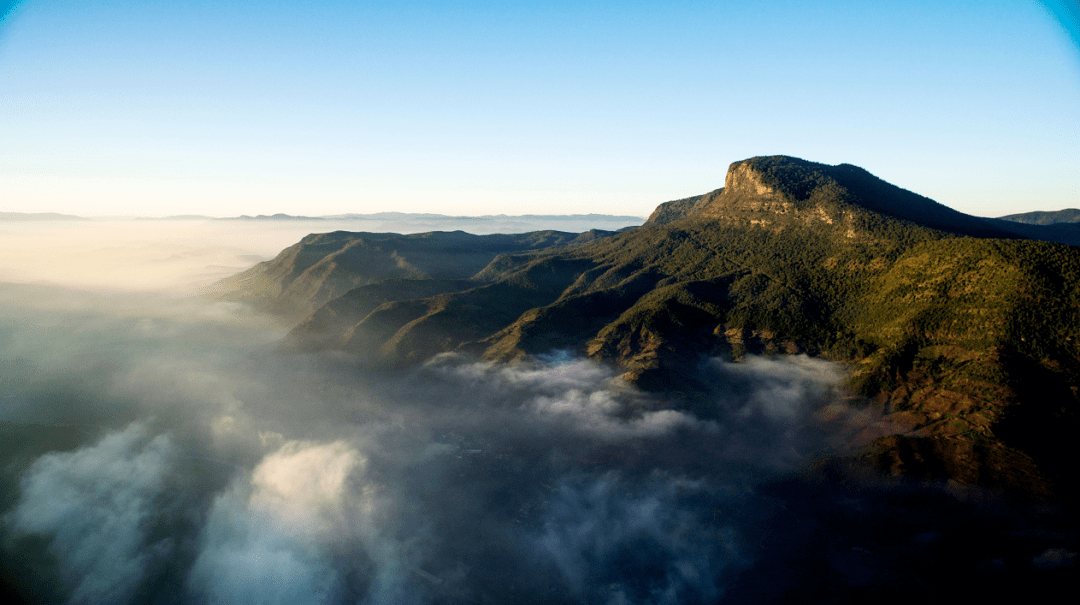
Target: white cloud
95,504
784,388
268,537
302,484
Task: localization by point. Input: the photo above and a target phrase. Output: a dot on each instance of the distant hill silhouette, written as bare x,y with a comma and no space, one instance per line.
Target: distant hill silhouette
39,216
1068,215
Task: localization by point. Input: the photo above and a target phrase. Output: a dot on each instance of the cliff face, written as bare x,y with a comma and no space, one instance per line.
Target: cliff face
779,191
963,338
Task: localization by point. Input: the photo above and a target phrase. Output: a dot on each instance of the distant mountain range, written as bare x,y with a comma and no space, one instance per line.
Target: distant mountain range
414,215
1068,215
663,214
380,216
962,330
38,216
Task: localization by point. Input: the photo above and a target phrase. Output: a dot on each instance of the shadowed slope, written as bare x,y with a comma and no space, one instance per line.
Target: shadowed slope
324,266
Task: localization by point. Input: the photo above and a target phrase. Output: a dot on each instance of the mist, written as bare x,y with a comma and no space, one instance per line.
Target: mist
181,256
158,447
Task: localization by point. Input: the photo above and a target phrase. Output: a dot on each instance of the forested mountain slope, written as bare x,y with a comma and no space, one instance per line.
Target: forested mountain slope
324,266
961,331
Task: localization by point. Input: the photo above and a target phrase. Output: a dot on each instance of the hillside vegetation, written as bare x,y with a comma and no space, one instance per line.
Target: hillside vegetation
961,330
324,266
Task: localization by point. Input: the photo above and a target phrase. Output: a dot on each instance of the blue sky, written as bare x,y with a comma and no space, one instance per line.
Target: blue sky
241,107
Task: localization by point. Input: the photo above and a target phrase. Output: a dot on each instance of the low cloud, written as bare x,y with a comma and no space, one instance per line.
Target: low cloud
301,484
96,505
584,396
779,388
644,543
268,538
159,449
208,465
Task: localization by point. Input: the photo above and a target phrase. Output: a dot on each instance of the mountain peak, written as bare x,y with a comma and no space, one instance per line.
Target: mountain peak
780,177
778,191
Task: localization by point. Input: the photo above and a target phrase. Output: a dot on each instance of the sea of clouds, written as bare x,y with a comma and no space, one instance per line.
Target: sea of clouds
158,447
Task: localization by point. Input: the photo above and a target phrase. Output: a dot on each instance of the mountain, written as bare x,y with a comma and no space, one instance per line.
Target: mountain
405,216
177,217
39,216
780,191
1068,215
324,266
960,330
596,218
402,222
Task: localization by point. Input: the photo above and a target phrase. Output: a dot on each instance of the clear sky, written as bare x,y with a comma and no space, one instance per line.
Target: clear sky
227,107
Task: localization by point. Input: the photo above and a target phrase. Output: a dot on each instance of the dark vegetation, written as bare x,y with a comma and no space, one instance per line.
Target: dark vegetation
962,330
324,266
834,540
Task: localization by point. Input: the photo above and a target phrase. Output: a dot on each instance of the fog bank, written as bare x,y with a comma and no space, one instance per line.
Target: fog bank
181,256
159,448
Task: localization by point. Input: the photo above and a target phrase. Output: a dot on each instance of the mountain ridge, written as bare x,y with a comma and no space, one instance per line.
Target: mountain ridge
324,266
1042,217
943,318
